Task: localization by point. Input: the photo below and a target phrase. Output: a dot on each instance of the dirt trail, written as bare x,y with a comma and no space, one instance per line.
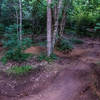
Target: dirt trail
67,86
73,82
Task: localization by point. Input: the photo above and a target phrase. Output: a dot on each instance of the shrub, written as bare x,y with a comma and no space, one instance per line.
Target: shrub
85,22
64,45
14,46
1,28
1,31
4,60
19,70
84,18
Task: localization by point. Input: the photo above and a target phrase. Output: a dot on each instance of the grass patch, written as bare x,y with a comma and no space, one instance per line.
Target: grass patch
19,70
42,57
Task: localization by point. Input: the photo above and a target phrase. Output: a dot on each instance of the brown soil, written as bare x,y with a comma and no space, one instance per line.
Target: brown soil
35,50
69,78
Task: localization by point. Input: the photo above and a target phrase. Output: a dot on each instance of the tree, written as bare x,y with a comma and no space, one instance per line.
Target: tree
1,1
57,12
20,7
49,28
58,15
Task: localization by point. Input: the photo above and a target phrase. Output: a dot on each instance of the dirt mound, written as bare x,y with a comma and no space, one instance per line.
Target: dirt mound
38,50
12,87
35,50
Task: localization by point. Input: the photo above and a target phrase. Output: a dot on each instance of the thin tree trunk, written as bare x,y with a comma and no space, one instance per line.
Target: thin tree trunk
64,15
55,12
0,6
20,28
62,24
17,22
56,23
49,28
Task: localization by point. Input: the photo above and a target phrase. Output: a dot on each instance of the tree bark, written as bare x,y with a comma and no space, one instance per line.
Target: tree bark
49,28
20,28
17,22
62,25
0,6
56,22
63,21
64,16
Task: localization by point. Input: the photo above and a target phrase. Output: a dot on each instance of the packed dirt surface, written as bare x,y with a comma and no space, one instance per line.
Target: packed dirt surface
69,78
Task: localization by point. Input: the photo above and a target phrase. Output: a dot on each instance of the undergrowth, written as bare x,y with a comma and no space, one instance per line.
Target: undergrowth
64,45
19,57
43,56
14,46
19,70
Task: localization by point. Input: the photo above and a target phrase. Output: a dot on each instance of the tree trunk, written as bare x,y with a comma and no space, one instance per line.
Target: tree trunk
62,25
64,15
49,28
0,6
63,21
17,22
20,28
56,22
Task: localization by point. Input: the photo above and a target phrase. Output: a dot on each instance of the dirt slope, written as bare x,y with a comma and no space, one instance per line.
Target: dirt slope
73,79
73,83
67,86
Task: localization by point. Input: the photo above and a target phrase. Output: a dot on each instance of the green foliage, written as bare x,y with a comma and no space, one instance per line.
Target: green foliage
83,15
16,56
97,30
19,70
97,27
64,45
46,58
1,29
38,12
84,23
14,46
4,60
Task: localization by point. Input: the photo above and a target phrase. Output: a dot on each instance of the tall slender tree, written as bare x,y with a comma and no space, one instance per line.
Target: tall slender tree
49,28
57,13
0,6
20,28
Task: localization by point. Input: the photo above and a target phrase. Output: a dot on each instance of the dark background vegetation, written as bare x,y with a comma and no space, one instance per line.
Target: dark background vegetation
83,19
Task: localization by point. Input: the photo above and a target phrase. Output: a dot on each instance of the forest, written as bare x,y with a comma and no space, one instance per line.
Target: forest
49,49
